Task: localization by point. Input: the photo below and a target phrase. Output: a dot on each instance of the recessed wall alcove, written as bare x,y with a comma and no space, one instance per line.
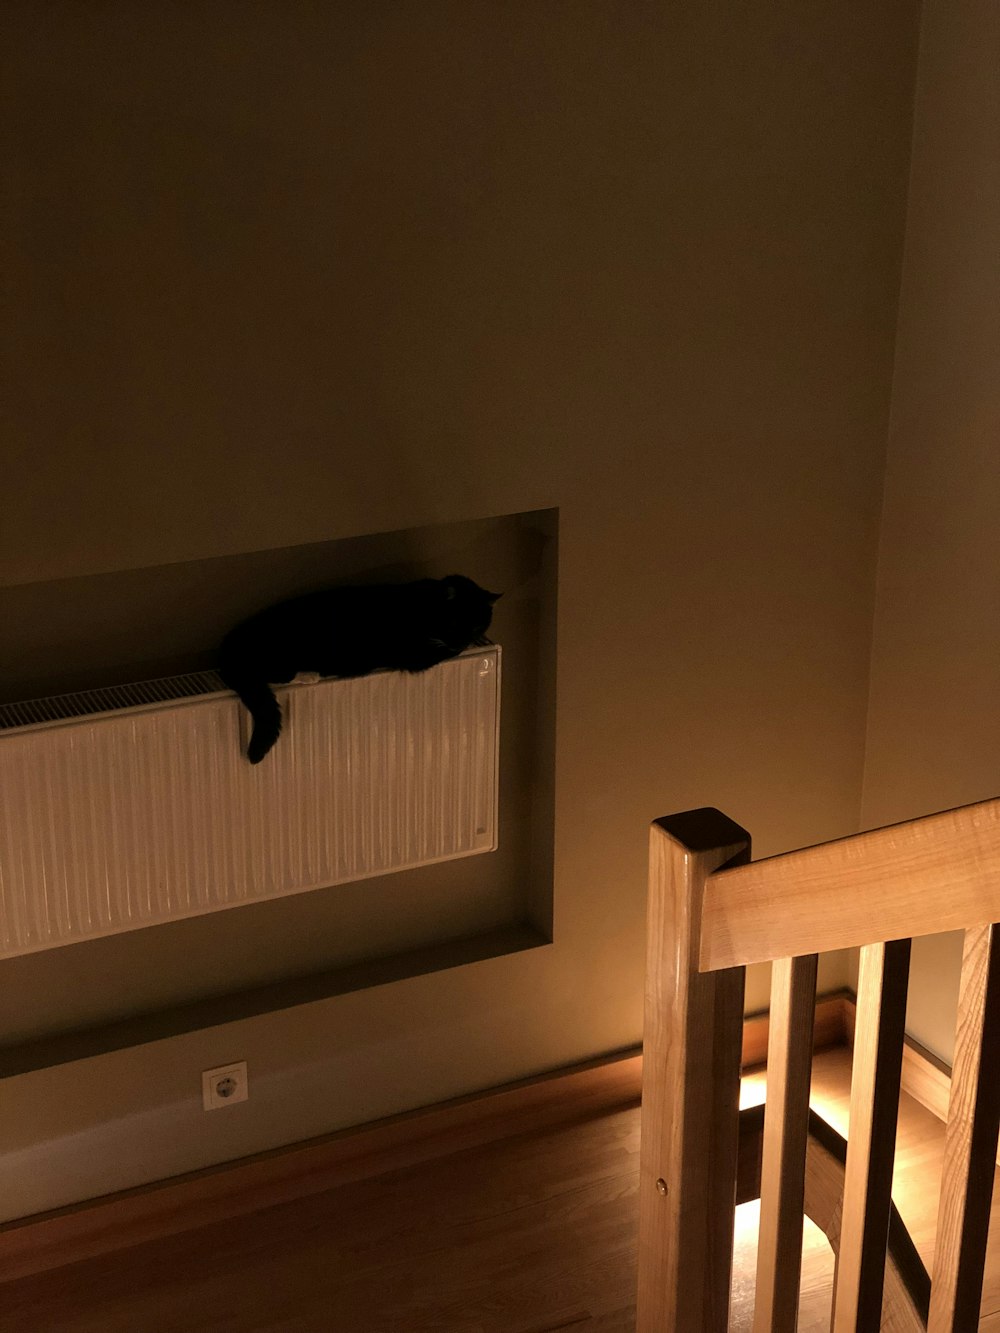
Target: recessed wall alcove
105,994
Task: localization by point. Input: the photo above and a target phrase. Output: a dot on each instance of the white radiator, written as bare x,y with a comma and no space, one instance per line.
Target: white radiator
147,811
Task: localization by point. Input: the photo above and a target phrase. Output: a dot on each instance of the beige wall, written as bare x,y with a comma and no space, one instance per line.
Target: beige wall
934,722
291,273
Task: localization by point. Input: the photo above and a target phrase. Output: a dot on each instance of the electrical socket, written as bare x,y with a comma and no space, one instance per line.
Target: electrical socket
225,1086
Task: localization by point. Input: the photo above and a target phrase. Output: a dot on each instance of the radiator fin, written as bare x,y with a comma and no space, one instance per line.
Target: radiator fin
116,820
109,698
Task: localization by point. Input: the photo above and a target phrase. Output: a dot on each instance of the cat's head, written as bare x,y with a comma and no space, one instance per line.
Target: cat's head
465,611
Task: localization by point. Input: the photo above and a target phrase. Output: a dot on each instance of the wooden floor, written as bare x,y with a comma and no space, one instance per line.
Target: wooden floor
525,1236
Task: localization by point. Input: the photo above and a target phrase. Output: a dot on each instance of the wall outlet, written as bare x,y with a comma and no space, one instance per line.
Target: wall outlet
225,1086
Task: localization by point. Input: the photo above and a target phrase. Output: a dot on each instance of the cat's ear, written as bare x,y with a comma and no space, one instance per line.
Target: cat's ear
493,596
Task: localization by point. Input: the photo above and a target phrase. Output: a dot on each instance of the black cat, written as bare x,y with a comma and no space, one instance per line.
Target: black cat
349,632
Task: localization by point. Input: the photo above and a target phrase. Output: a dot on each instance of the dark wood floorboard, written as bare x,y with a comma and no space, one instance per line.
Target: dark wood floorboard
525,1236
532,1235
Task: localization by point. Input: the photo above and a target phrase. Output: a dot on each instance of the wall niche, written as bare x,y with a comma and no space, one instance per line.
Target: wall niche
143,985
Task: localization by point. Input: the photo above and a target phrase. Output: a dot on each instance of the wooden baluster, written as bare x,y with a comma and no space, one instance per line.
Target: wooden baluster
871,1140
786,1130
690,1100
970,1140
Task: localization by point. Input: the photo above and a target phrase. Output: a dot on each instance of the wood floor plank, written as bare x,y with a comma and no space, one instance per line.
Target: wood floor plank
479,1241
532,1235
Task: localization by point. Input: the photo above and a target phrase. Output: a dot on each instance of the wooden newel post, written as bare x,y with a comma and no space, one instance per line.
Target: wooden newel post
690,1086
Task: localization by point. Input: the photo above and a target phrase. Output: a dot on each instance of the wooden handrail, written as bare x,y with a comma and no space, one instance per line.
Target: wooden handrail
704,896
921,877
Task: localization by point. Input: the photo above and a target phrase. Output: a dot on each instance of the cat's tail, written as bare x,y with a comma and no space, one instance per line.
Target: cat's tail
263,707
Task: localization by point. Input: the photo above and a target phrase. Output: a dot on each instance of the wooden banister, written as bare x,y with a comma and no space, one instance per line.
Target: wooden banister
918,878
878,1057
786,1123
970,1140
907,1292
692,1043
711,913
